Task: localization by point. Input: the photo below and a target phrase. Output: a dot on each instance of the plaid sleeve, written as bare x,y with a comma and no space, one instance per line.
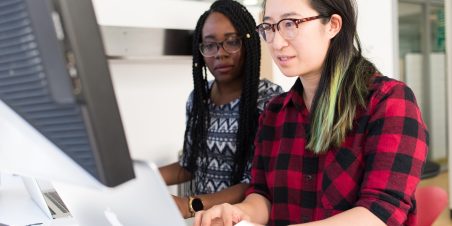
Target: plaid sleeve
183,160
395,151
258,181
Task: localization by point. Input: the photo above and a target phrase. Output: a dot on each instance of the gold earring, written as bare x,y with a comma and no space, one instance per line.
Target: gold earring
248,35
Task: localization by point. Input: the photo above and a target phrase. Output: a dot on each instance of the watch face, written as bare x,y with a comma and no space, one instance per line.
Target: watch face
197,204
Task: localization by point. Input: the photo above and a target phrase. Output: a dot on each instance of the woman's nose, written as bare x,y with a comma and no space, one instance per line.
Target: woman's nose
279,41
221,53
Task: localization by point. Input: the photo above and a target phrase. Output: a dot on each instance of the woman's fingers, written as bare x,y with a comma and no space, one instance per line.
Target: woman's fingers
224,214
198,216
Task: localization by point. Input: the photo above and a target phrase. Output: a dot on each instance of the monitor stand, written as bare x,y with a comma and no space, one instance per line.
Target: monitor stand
46,198
18,206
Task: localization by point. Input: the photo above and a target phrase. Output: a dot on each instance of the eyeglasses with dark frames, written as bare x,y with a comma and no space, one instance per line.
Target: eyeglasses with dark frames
288,28
231,45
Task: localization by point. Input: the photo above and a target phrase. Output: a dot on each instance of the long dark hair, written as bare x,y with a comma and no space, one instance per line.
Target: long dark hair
343,85
199,119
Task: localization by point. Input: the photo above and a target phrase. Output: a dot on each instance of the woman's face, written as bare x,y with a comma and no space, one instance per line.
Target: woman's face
225,67
305,53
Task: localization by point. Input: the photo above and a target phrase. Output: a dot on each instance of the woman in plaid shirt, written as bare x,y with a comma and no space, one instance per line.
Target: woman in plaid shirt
346,145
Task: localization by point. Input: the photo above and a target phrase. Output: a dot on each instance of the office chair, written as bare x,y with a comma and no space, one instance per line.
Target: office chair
430,169
431,201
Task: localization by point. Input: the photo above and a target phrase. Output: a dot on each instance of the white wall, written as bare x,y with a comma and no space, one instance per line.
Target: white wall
152,93
378,31
149,13
151,96
174,14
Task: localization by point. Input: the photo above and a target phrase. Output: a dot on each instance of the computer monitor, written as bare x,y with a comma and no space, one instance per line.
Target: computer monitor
56,94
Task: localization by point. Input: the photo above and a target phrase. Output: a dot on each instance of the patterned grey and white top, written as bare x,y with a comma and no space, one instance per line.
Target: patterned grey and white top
221,141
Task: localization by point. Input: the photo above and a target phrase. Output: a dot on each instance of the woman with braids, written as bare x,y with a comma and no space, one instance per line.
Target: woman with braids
222,114
345,146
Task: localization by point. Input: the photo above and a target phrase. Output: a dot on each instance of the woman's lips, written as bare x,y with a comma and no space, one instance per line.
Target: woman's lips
223,68
284,60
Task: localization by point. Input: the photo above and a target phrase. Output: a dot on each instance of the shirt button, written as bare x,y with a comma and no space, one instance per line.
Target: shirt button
308,177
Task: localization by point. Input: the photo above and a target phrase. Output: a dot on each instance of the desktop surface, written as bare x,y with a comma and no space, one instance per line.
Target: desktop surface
17,207
144,200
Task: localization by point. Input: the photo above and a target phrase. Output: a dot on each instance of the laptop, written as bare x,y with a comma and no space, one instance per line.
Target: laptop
144,200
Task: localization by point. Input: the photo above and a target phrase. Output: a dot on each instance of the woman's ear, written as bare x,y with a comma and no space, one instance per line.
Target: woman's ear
334,25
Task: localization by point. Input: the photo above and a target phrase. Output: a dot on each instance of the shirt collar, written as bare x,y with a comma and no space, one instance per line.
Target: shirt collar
295,96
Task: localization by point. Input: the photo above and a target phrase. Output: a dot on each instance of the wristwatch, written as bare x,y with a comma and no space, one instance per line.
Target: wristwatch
194,205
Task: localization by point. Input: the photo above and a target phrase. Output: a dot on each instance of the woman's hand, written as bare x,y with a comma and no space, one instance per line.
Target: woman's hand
182,204
224,214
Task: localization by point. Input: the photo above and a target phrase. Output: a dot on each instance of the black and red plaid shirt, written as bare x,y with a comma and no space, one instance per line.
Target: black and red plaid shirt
378,166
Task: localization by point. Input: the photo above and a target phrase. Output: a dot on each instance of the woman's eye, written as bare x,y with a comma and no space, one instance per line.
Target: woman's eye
289,24
266,28
233,42
210,45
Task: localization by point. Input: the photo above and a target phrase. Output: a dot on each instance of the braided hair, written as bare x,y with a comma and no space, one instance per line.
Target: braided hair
199,119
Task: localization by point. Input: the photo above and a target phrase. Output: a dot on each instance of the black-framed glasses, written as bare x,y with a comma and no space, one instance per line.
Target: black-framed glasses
230,45
288,28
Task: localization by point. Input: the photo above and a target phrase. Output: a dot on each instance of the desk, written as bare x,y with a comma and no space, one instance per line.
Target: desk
17,207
